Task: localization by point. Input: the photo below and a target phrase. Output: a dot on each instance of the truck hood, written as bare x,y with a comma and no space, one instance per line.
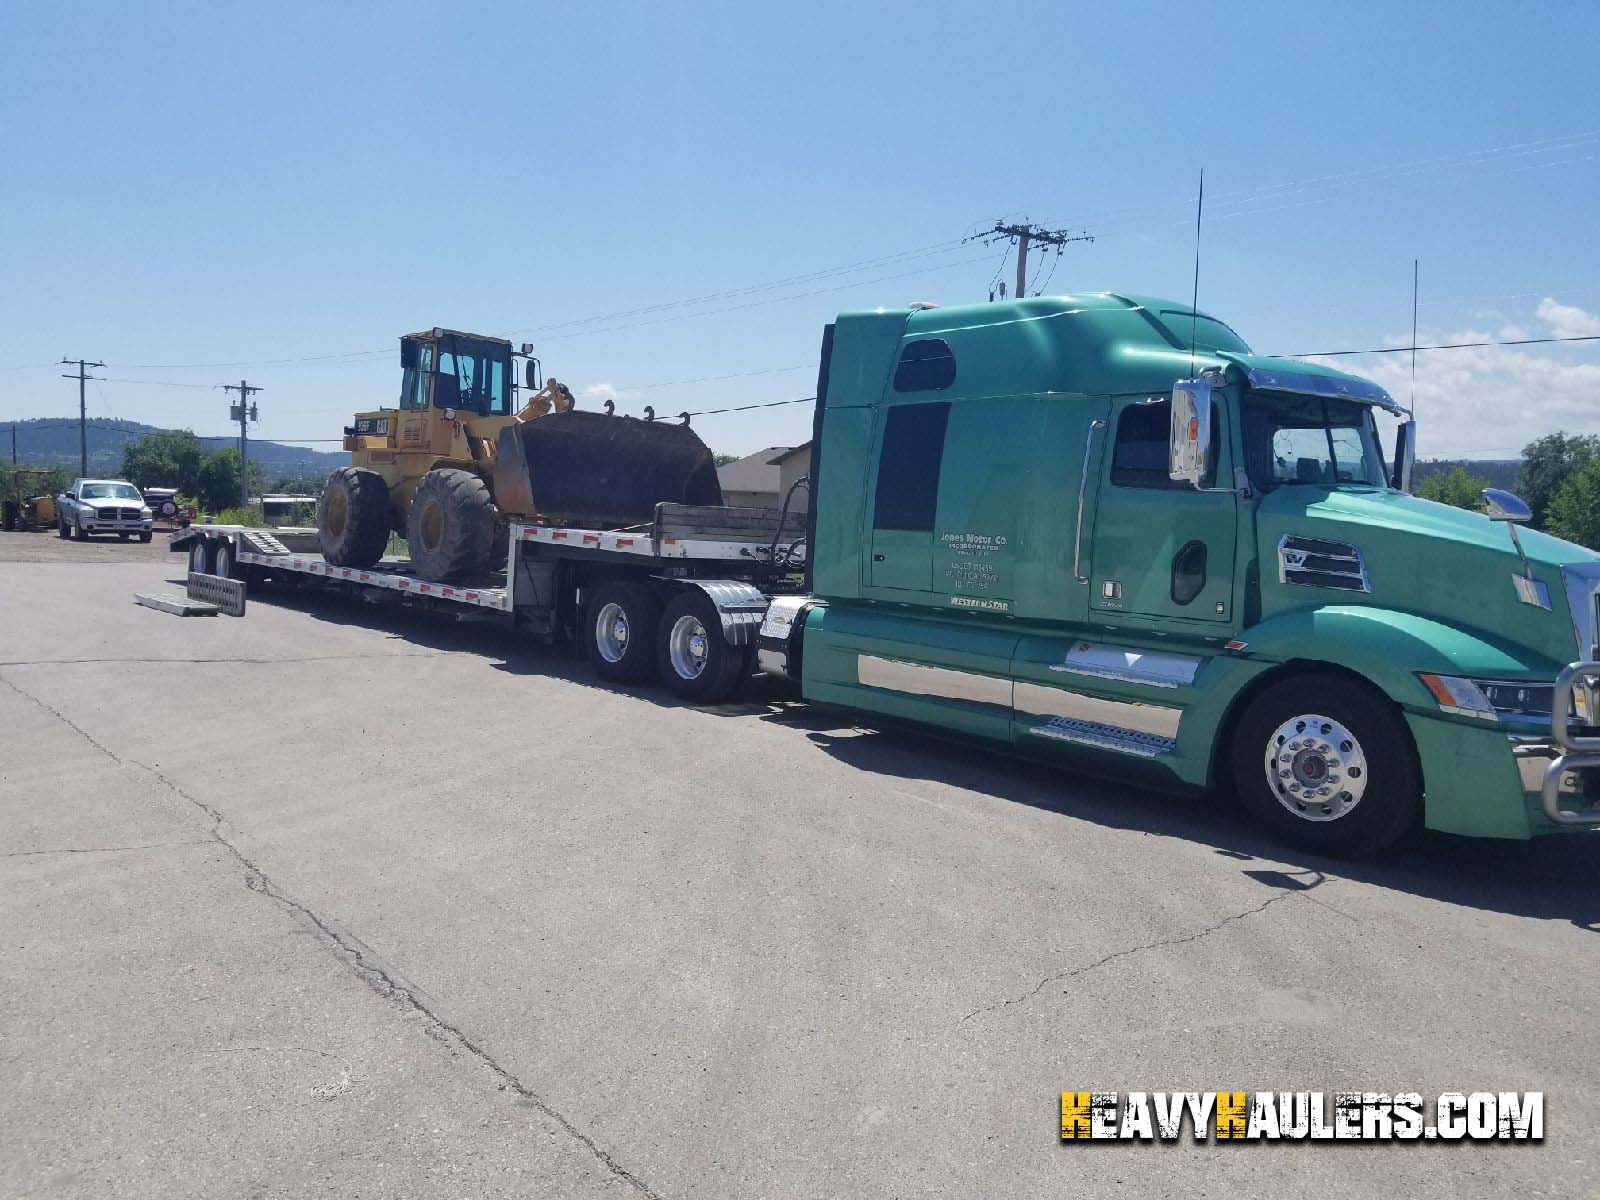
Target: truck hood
1432,560
1397,512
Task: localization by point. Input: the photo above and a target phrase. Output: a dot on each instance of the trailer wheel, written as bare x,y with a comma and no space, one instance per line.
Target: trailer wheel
697,663
223,561
1325,764
353,517
620,626
200,557
451,527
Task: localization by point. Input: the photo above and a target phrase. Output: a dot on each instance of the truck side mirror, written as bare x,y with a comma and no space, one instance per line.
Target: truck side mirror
1405,455
1189,445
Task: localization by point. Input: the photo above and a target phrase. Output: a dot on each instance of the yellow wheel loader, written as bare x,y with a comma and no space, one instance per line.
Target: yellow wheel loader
451,465
29,512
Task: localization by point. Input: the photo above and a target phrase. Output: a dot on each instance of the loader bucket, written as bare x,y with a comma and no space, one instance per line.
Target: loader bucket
596,469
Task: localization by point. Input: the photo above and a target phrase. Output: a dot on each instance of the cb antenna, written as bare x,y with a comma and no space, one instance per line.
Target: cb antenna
1194,303
1411,402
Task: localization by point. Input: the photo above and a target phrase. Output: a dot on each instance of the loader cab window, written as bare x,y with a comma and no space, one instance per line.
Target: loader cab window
416,384
473,377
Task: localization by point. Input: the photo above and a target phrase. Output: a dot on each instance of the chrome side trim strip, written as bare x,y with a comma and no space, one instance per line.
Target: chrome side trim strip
1083,486
1129,666
1124,716
942,683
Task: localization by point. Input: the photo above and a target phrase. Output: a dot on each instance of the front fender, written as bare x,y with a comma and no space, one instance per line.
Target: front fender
1390,647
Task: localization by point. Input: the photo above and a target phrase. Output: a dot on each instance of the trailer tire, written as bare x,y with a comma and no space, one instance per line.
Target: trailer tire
451,526
200,556
353,517
223,561
1325,764
696,662
619,639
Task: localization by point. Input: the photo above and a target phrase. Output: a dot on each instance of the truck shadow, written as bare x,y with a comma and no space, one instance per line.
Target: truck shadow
1547,879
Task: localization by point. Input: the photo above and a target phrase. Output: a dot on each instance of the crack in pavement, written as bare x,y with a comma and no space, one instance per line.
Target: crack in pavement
360,959
104,849
1159,944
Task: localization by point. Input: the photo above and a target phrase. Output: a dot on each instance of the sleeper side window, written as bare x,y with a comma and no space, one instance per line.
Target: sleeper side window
1139,457
925,366
908,466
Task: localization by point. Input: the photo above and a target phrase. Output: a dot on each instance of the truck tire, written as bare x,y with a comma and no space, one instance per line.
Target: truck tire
353,517
450,527
696,662
619,632
79,532
1325,764
145,536
222,562
62,531
200,557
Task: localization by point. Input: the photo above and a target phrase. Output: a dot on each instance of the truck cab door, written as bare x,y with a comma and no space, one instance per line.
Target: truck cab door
1162,550
905,497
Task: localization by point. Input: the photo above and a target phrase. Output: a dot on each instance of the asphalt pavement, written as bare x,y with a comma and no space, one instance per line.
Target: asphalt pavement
336,900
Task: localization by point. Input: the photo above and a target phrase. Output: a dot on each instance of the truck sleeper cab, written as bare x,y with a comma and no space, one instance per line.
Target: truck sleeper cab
1015,536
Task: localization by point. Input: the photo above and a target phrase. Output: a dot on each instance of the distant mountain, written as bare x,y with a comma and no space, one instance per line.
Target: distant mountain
1495,472
48,440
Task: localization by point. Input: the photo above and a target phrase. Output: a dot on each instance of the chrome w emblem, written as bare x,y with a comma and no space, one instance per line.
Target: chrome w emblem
1294,559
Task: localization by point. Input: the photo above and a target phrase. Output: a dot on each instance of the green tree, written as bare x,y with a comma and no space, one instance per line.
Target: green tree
1547,463
169,458
1455,487
217,484
1575,509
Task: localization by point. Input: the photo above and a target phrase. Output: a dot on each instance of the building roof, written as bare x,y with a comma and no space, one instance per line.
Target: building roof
784,456
752,473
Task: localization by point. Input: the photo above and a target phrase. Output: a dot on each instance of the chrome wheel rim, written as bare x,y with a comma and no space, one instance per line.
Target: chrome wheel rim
197,559
688,647
224,561
611,632
1316,768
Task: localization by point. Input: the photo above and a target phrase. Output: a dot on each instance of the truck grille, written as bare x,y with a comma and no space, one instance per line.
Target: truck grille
118,514
1319,563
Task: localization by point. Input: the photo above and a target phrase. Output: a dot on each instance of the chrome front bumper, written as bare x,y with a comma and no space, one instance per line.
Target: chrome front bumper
1557,768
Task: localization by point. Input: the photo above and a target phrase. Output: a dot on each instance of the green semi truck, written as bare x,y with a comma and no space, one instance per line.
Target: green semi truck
1099,528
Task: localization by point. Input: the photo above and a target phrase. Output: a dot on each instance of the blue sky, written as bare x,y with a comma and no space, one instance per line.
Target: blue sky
218,183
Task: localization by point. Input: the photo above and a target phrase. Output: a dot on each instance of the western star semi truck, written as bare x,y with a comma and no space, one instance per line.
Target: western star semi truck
1098,528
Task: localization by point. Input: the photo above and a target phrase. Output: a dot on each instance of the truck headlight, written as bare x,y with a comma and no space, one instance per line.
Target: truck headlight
145,512
1463,697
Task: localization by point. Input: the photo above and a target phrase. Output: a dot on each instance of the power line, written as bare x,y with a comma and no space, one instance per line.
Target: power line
1025,235
1539,341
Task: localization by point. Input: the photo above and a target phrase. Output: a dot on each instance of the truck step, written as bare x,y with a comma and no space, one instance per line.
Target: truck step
176,604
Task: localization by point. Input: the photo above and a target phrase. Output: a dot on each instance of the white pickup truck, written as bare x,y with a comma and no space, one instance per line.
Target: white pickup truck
103,506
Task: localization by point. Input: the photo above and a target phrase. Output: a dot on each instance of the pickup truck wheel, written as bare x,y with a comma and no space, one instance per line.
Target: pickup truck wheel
200,556
1325,764
620,625
353,517
79,532
145,536
62,531
695,660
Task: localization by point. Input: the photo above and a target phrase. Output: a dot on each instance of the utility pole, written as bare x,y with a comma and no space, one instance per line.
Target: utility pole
82,377
13,444
243,412
1027,236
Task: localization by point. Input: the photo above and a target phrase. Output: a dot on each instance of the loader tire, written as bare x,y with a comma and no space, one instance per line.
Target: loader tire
451,526
353,517
619,632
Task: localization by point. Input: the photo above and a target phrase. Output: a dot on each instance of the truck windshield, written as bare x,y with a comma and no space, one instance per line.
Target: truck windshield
109,491
472,375
1291,440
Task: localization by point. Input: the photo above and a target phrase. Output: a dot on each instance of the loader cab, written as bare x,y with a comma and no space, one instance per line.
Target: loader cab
460,372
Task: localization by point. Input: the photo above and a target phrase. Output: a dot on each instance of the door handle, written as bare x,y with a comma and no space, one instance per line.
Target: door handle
877,558
1083,486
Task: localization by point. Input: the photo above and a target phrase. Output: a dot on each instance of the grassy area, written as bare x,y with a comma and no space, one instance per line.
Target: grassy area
397,547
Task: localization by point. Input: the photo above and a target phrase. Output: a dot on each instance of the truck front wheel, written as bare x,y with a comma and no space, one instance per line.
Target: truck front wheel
695,660
1325,764
620,624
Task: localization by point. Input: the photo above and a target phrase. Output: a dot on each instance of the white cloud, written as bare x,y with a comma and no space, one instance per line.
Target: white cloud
598,393
1568,320
1491,401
